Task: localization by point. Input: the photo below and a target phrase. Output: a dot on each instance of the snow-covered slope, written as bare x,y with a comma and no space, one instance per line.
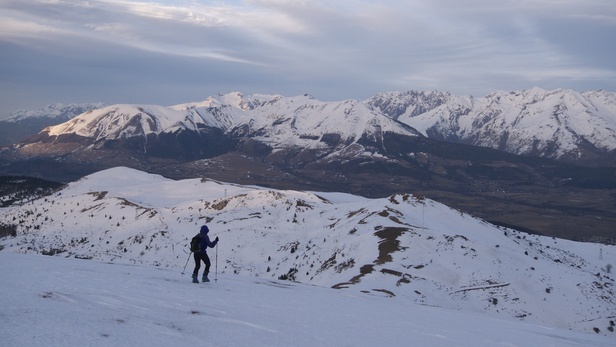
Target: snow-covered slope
305,122
69,302
407,104
122,121
405,247
234,99
560,124
279,122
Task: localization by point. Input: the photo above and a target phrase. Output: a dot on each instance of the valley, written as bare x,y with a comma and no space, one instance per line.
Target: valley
349,146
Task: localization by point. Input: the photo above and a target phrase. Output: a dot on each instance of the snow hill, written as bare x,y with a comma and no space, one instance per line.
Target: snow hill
405,248
52,301
560,124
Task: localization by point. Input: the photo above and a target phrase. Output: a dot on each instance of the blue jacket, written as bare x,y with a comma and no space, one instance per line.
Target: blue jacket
205,239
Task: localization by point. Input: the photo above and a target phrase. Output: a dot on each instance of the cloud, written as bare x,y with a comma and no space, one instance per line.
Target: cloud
331,49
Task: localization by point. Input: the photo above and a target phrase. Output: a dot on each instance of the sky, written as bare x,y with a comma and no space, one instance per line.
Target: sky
174,51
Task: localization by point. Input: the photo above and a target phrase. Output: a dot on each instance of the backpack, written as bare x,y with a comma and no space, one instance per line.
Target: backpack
195,244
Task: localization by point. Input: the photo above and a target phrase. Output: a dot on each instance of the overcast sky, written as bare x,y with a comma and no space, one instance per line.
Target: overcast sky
174,51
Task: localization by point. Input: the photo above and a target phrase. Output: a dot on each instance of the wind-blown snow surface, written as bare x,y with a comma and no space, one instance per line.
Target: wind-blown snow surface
406,248
51,301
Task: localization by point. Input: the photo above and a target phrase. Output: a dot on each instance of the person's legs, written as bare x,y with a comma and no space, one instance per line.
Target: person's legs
207,262
197,267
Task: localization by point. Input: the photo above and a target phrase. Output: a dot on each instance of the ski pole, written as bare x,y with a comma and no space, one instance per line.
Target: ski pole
216,277
186,263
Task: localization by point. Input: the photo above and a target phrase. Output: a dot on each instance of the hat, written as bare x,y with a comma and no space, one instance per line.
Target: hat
204,229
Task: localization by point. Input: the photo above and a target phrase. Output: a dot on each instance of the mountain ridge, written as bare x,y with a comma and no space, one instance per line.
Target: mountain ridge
563,124
560,124
292,121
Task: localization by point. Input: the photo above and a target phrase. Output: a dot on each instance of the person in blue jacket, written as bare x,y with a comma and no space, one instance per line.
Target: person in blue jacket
201,255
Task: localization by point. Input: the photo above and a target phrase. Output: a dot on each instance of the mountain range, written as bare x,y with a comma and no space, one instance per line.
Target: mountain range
577,127
559,124
403,247
373,148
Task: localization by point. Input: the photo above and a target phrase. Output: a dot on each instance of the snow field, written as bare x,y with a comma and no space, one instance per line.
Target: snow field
72,302
402,247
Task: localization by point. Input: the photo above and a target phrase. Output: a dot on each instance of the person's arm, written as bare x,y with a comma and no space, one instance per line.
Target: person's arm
209,243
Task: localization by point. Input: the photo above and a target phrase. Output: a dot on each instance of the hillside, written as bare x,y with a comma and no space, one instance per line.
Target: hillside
405,247
70,302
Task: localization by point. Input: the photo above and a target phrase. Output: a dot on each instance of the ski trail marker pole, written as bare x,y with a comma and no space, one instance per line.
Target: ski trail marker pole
216,277
186,263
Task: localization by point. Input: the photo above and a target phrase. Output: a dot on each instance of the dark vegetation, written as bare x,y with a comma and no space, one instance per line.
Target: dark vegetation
14,189
18,190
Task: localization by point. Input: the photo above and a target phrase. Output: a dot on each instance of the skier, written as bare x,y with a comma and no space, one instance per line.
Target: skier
201,255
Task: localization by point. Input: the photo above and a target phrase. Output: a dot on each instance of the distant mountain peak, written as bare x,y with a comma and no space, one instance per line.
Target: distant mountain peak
57,110
120,121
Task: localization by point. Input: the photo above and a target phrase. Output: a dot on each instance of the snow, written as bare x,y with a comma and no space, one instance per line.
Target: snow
122,120
54,111
410,249
557,123
71,302
280,122
233,99
523,122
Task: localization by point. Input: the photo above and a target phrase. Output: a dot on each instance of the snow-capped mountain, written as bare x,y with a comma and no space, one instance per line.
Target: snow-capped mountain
124,121
305,122
25,123
274,120
404,247
560,124
409,103
58,111
235,99
294,125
